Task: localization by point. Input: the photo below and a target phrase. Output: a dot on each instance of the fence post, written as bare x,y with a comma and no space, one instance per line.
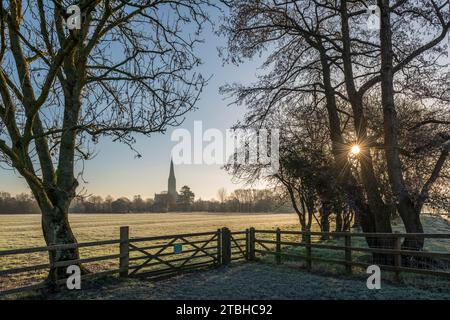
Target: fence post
278,247
219,246
348,253
247,244
398,258
308,251
226,246
124,252
54,287
251,244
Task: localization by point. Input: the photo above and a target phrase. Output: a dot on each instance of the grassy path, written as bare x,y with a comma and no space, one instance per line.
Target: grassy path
252,281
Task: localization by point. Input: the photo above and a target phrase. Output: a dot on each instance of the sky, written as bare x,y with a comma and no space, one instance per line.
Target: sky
117,172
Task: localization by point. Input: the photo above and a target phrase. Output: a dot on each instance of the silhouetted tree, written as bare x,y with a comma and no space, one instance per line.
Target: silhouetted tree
186,199
326,53
19,204
129,69
121,205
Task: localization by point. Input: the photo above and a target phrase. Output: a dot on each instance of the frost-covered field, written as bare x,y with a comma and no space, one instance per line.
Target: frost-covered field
240,281
252,281
17,231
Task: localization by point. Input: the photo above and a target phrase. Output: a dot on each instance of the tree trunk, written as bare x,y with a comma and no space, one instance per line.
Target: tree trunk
339,224
372,217
345,176
348,218
411,219
55,200
57,231
303,228
325,213
376,218
405,204
356,221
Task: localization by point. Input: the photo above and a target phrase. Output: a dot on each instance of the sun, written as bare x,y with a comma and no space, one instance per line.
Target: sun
356,149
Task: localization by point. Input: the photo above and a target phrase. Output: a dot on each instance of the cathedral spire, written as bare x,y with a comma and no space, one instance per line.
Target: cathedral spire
172,172
172,183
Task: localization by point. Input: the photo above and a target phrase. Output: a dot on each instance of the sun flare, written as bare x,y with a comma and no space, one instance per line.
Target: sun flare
356,149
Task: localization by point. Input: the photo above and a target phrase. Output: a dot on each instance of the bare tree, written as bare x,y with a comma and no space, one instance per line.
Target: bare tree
435,17
302,67
129,69
222,194
324,51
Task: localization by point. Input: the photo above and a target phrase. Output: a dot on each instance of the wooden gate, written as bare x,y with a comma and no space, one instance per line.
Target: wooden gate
165,255
239,245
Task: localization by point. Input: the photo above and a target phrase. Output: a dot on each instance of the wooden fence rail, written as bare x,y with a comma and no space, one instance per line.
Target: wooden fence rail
164,256
397,251
154,257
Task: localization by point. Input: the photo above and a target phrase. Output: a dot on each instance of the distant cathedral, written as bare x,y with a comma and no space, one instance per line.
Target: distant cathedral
167,200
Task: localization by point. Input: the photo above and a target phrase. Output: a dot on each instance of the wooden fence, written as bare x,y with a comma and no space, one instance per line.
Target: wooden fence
261,245
164,256
152,257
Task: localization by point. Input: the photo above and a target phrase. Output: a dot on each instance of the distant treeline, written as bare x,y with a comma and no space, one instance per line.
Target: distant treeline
21,203
245,200
241,200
